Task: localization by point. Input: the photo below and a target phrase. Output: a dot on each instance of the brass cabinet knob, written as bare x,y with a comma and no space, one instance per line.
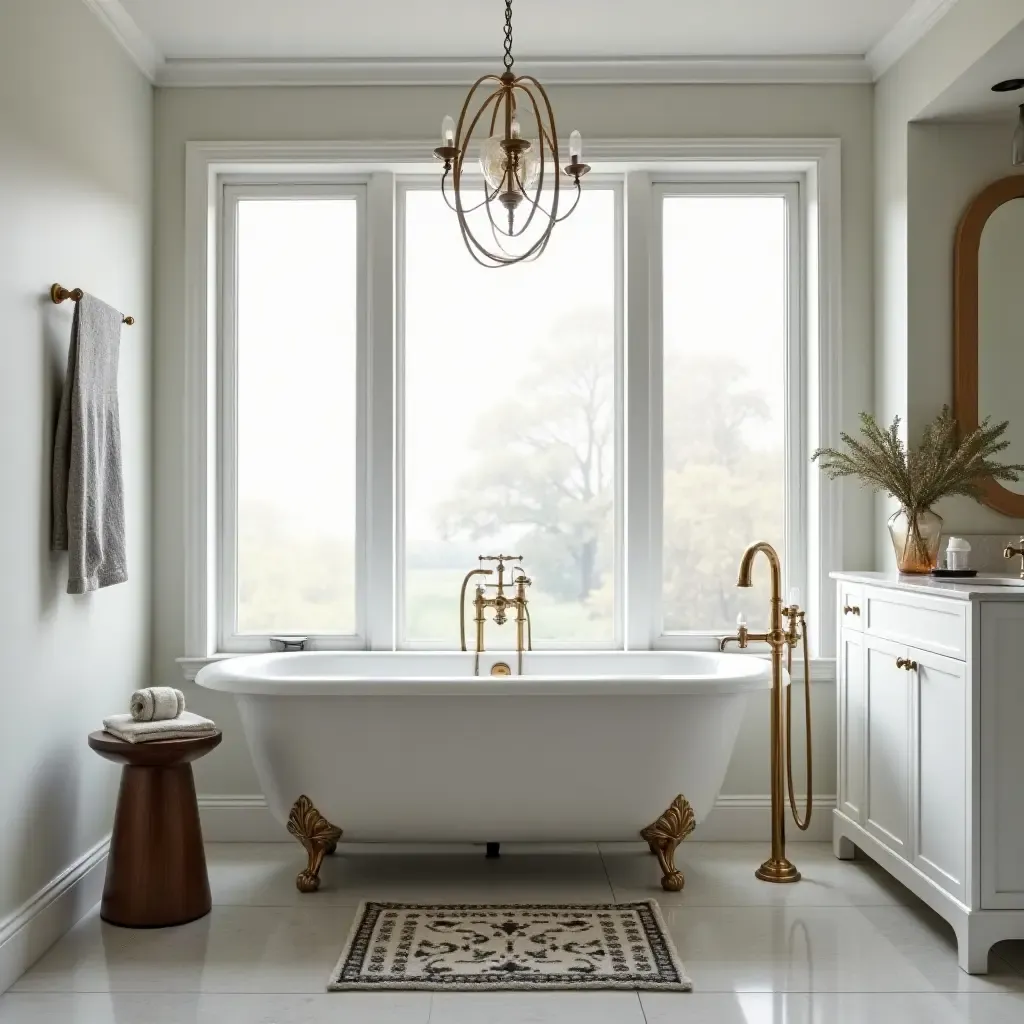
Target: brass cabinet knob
851,609
901,662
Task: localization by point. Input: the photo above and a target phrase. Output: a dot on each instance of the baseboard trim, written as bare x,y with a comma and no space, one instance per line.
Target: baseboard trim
245,818
748,818
41,920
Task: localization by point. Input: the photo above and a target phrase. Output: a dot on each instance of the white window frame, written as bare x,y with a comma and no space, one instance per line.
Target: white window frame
609,182
647,390
237,191
210,166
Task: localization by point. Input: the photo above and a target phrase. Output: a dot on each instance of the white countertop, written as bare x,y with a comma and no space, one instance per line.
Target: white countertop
964,590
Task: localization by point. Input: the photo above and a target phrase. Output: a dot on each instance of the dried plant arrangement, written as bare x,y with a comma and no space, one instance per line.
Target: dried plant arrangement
942,465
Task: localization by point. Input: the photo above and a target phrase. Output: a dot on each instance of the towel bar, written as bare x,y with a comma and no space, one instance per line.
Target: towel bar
59,294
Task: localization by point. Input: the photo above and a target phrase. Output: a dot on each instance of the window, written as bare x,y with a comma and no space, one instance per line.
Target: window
627,413
289,409
510,411
730,355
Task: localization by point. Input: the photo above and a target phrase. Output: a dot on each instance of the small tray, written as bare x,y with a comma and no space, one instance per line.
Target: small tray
954,574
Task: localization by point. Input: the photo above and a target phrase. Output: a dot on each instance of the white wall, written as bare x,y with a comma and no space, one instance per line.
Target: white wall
948,165
75,207
399,113
917,205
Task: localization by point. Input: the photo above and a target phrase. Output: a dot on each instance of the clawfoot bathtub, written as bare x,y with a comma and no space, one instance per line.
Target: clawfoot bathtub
394,747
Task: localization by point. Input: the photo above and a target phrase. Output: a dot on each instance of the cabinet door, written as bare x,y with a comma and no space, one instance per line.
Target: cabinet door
852,726
939,771
888,689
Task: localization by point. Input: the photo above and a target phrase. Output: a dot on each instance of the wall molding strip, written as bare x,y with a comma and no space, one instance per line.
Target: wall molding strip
136,43
199,72
922,17
54,910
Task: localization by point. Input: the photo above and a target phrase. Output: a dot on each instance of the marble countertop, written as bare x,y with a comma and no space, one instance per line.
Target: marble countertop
964,590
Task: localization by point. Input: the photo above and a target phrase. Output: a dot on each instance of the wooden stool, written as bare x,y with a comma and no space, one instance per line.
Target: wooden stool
156,871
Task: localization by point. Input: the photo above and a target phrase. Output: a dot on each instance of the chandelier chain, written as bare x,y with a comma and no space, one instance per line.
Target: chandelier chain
509,59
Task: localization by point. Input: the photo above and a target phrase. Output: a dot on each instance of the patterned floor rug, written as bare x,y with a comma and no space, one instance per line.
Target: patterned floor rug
464,947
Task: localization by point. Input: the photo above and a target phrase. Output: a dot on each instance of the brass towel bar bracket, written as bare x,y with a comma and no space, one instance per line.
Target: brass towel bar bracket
61,294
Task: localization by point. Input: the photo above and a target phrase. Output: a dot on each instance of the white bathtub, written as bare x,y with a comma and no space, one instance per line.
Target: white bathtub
414,747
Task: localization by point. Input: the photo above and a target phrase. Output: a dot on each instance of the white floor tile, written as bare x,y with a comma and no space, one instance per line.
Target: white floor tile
825,949
137,1008
264,875
845,946
831,1008
528,1008
722,875
234,949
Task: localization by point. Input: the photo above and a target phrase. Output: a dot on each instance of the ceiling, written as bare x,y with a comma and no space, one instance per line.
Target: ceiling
971,97
262,42
543,28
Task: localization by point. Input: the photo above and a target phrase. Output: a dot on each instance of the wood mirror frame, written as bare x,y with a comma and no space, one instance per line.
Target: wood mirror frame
965,326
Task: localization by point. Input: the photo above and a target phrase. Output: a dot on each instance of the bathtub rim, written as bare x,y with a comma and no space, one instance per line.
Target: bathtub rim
241,675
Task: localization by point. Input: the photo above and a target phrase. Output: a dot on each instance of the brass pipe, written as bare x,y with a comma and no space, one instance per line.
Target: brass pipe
462,601
801,823
777,868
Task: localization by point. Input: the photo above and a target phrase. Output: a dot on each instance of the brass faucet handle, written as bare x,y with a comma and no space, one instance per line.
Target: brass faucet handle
1011,552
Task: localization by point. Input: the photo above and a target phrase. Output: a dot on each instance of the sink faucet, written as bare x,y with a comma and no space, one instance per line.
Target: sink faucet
501,602
1011,552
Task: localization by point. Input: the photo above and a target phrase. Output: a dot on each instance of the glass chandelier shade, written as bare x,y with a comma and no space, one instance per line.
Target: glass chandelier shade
522,192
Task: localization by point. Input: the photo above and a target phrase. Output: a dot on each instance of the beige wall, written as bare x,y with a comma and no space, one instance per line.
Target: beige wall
948,164
918,201
75,207
400,113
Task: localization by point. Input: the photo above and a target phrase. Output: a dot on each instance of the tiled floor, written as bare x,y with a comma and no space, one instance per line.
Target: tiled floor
845,946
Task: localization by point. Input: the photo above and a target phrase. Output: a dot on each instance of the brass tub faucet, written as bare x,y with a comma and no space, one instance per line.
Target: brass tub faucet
781,640
514,602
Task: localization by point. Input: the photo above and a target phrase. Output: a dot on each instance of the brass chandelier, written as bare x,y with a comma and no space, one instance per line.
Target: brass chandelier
515,168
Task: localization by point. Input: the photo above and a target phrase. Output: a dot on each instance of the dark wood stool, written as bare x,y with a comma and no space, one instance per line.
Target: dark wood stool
156,871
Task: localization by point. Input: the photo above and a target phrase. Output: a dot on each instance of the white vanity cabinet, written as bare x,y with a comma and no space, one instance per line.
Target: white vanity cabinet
931,746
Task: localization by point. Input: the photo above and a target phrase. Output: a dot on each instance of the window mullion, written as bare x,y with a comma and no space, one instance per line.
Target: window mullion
642,419
378,450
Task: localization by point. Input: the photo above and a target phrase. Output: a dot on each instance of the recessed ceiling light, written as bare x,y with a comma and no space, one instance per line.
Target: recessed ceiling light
1010,85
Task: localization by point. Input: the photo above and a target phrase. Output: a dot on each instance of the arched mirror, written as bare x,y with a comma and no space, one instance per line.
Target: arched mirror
989,326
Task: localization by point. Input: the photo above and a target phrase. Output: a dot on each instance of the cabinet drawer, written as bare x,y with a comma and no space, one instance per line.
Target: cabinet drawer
933,624
851,605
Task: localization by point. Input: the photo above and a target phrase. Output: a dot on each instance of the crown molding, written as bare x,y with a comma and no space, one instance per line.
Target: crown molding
121,25
197,72
922,17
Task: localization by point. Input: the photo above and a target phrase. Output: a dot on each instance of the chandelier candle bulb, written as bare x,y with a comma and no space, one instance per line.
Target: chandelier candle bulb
575,147
448,131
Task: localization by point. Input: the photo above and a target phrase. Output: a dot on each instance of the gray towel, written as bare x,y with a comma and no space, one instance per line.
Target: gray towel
157,704
88,489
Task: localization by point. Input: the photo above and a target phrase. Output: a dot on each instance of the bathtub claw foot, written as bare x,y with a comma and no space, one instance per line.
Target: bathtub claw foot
318,837
665,835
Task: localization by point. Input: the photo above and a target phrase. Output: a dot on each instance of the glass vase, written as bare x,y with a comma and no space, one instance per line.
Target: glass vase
915,539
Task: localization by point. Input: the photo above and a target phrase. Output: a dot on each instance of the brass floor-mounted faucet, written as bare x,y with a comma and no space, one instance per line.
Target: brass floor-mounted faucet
778,868
501,602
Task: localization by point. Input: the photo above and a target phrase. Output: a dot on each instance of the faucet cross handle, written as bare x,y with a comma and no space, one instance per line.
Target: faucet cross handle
1011,552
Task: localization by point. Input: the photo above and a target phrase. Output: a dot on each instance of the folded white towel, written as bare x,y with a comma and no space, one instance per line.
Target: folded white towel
186,726
157,704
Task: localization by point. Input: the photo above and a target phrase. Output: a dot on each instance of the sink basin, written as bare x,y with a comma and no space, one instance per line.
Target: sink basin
994,581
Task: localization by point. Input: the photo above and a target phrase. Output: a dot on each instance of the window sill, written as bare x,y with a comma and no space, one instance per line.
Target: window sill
823,670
